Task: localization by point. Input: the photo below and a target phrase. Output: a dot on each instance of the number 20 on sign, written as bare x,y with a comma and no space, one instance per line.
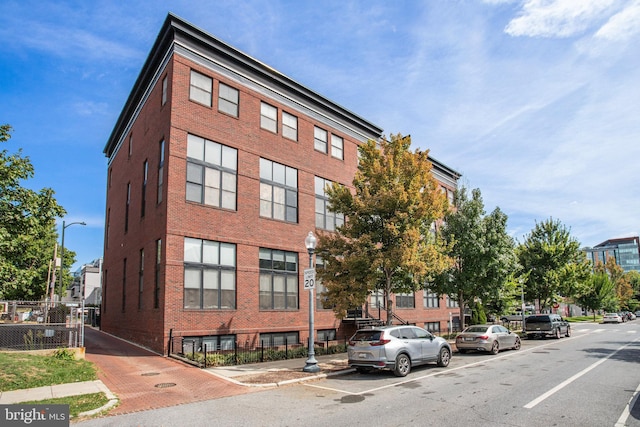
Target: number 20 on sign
310,278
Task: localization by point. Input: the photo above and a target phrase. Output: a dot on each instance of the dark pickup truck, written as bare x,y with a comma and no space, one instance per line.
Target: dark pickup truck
546,325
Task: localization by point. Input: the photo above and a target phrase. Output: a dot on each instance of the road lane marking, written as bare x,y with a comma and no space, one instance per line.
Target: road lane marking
622,421
565,383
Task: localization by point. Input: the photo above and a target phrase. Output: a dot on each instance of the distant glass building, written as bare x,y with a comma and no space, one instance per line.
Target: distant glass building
625,251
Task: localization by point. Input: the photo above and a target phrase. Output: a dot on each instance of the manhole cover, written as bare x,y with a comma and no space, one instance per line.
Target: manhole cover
165,385
150,374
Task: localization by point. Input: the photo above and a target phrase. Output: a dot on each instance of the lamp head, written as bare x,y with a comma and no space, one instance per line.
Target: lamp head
310,242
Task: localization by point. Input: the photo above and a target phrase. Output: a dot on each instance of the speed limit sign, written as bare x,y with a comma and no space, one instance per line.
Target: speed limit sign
310,278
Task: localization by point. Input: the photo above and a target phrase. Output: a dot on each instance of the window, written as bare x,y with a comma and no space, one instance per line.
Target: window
282,338
140,278
278,280
405,300
278,191
126,209
161,171
377,299
325,219
320,139
164,90
289,126
337,147
228,100
211,343
145,176
108,228
124,284
451,303
156,280
433,327
268,117
431,299
130,145
211,173
209,274
200,88
326,334
321,300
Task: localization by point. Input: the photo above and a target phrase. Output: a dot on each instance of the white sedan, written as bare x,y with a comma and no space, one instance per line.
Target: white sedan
612,318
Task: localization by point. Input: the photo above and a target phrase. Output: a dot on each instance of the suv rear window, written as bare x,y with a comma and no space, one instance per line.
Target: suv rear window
533,319
372,335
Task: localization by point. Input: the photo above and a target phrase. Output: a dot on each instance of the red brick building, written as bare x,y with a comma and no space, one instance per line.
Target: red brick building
217,165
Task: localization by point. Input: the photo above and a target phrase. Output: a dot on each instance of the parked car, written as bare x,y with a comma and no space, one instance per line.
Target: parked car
491,338
398,348
546,325
611,318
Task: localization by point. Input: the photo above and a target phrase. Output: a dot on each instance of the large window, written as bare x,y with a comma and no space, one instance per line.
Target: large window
211,342
211,173
126,208
320,139
451,303
268,117
337,147
145,177
325,219
406,300
289,126
200,88
209,274
430,299
279,338
140,278
228,100
278,280
164,90
278,191
156,278
161,171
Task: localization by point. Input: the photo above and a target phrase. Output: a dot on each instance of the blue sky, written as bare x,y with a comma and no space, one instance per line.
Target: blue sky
535,102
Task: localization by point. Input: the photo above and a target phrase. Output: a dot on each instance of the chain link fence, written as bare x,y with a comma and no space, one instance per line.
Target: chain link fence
41,325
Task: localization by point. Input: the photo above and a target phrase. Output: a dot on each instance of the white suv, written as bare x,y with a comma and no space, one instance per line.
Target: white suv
397,348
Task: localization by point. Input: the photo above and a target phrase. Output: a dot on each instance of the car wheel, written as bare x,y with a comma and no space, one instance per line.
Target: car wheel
363,370
517,344
444,358
495,348
403,365
557,333
568,334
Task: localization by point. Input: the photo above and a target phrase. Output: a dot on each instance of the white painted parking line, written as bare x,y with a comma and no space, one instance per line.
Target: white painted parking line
565,383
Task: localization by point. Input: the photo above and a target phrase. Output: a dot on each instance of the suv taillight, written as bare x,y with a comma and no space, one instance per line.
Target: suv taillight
381,341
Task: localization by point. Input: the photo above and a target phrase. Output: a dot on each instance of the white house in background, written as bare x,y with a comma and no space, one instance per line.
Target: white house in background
87,282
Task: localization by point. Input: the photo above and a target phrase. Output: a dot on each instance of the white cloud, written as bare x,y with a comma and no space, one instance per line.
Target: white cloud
622,25
558,18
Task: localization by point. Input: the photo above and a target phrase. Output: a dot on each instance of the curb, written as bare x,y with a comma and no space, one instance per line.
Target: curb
113,401
285,382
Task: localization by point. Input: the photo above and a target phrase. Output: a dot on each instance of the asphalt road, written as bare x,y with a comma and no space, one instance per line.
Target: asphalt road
589,379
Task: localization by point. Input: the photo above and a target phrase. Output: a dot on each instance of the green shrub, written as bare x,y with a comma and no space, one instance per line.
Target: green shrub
64,354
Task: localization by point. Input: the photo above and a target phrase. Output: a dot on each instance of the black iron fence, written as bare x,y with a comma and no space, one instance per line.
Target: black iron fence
40,325
232,353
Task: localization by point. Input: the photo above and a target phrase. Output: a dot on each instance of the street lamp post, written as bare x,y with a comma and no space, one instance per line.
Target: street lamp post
64,227
311,364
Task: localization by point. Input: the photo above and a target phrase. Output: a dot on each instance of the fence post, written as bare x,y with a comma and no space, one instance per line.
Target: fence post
205,355
286,347
262,351
169,345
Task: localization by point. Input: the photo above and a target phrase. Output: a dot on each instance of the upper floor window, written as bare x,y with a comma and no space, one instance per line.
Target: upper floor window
211,173
201,88
228,99
164,90
406,300
161,171
451,303
320,139
325,219
209,274
431,299
278,280
337,147
278,191
289,126
130,145
268,117
145,177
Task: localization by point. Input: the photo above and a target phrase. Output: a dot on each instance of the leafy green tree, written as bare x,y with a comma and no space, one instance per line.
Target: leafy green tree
386,242
27,228
599,293
552,263
483,252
